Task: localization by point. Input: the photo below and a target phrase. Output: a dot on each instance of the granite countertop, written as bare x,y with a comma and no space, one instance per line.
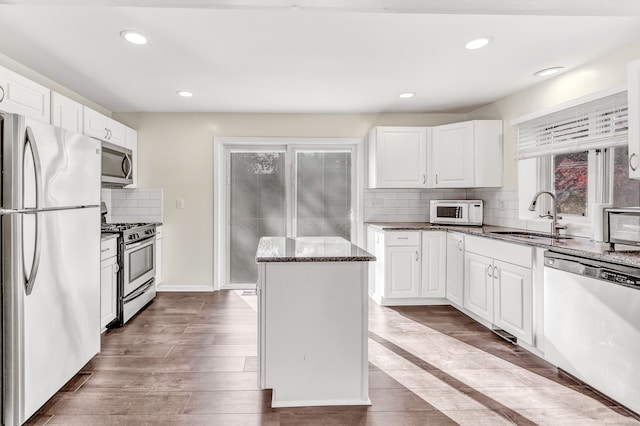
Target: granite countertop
310,249
577,246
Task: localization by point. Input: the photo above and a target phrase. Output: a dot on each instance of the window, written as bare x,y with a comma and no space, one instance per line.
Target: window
570,182
581,156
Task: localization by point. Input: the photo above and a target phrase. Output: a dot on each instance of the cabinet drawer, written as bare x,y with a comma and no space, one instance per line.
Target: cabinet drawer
398,238
516,254
108,248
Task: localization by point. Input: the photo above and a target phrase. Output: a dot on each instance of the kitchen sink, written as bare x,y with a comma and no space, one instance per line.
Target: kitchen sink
530,235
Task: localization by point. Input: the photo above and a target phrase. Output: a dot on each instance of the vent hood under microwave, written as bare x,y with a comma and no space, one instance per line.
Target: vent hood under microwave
117,166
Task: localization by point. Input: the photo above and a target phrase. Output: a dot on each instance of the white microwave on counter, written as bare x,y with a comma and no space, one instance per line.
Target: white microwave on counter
456,212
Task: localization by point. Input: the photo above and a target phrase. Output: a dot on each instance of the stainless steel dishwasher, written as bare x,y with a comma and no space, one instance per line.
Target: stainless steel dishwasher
592,323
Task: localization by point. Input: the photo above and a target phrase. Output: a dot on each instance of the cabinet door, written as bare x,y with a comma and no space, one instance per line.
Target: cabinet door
20,95
455,268
513,300
402,271
108,290
633,90
117,132
400,158
452,156
434,263
131,142
95,124
66,113
478,285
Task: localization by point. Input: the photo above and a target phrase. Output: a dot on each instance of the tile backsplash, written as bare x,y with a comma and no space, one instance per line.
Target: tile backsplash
133,205
412,205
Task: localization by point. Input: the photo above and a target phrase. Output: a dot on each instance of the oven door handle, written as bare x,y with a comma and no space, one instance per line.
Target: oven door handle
138,244
139,292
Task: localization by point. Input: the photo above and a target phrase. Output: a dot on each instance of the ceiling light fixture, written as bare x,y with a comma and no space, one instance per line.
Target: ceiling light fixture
134,37
478,43
548,71
184,93
407,95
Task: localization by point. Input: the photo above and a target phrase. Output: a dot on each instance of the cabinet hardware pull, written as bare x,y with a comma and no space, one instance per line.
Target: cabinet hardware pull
495,274
1,93
489,270
104,250
633,164
403,238
459,245
424,179
106,133
417,256
436,178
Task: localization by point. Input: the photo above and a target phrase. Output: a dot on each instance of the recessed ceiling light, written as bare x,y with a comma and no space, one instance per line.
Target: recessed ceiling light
184,93
134,37
407,95
548,71
478,43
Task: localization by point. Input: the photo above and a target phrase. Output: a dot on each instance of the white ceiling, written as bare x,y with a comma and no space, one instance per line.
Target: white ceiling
309,56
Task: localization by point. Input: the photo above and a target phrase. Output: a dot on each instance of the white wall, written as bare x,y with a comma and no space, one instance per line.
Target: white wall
606,72
175,153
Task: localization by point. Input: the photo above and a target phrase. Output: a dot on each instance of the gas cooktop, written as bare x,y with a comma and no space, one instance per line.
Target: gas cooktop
118,227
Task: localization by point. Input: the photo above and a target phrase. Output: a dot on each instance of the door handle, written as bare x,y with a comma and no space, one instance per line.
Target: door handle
127,166
633,164
30,277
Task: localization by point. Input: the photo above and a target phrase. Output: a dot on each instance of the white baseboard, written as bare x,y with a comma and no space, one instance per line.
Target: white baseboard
178,287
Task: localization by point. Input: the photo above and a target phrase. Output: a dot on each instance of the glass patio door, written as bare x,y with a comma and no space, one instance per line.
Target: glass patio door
284,191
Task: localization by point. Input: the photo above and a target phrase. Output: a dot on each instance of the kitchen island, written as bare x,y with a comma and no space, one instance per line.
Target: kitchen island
313,321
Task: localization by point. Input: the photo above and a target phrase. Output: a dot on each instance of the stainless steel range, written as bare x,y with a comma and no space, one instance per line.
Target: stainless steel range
136,259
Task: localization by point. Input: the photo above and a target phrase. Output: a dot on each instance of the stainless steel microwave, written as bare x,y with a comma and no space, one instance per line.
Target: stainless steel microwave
456,212
621,225
117,166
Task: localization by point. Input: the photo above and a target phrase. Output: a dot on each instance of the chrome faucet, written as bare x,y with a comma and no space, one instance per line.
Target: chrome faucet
555,227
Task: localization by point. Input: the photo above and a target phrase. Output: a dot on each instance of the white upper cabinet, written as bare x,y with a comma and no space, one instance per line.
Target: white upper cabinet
398,157
633,90
466,155
95,124
101,127
66,113
22,96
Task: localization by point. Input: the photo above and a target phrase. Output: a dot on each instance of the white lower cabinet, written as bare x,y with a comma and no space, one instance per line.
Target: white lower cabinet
108,281
455,268
499,289
434,264
478,285
410,267
402,272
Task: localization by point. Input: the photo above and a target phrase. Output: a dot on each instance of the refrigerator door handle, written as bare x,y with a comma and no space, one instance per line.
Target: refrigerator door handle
30,278
31,142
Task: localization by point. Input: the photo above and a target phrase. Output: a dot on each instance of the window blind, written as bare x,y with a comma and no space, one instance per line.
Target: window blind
600,123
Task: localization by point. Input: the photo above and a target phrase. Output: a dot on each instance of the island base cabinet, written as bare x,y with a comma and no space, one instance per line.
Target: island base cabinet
312,333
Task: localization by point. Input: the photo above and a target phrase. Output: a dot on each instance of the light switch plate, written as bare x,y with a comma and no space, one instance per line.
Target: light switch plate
179,203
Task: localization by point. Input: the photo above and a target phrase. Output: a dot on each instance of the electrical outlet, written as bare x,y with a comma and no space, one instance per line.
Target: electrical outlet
377,202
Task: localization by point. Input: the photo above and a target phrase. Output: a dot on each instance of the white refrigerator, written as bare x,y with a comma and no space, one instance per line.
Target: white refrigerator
50,260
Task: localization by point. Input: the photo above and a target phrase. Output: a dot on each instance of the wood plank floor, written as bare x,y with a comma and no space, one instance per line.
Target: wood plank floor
190,359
